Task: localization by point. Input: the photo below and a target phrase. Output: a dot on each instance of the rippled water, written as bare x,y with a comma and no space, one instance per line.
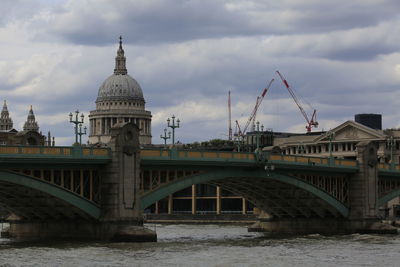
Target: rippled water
211,245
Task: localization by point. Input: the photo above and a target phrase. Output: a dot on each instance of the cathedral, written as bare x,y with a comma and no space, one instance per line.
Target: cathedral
30,134
120,99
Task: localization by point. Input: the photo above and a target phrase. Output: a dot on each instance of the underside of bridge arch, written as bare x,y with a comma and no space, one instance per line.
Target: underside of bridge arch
388,196
34,199
278,194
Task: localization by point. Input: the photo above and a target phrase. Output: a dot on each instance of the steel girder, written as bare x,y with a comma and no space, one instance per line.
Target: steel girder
272,191
31,198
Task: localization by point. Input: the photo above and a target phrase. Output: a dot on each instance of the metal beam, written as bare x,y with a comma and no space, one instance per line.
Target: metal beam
73,200
149,198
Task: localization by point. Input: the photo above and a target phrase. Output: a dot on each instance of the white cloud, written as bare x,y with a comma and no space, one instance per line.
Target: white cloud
186,58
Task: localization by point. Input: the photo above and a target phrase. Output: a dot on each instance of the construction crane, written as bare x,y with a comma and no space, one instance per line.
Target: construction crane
310,122
230,117
254,112
238,131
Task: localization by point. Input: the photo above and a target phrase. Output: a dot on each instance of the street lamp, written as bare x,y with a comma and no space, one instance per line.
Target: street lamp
165,137
80,133
173,126
76,122
391,143
238,141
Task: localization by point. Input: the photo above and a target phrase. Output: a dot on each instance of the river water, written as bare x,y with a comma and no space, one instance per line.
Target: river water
211,245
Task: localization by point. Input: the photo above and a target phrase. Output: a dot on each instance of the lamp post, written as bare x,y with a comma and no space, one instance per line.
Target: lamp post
80,133
391,143
76,122
165,137
173,126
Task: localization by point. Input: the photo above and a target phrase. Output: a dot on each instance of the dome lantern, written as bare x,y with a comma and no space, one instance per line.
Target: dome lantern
120,60
120,85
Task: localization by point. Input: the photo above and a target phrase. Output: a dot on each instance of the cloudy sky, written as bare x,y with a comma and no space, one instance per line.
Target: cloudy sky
342,57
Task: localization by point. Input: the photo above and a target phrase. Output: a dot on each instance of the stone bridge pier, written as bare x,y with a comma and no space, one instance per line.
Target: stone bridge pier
362,205
120,216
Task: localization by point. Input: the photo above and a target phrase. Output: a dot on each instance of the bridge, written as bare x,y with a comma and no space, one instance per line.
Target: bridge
100,193
292,190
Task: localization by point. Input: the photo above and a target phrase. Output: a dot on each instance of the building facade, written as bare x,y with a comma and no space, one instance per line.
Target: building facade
120,99
30,134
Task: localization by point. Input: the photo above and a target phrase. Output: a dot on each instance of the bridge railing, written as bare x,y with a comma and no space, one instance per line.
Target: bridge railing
389,167
249,157
54,151
313,160
198,155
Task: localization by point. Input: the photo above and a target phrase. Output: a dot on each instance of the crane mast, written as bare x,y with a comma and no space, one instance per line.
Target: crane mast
310,122
230,117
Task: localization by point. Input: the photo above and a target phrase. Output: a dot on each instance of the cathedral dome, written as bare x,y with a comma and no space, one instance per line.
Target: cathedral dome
120,86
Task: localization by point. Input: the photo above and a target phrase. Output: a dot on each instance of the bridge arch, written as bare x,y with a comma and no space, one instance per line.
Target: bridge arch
32,198
218,176
386,198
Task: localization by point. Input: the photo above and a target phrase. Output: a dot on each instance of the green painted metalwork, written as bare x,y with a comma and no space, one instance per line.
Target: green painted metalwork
386,198
21,155
73,199
245,159
164,191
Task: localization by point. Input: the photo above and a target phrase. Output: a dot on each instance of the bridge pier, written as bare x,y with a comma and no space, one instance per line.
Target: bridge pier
129,231
121,213
328,226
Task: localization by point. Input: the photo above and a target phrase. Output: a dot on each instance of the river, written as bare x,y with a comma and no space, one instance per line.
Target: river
211,245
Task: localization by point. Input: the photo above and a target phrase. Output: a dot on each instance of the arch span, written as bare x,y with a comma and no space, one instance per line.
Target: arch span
218,175
33,198
386,198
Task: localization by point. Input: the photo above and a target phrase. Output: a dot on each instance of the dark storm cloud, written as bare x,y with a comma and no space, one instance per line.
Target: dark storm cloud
341,56
151,22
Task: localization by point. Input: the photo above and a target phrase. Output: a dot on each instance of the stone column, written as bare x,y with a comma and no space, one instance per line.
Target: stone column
244,206
193,199
218,200
170,204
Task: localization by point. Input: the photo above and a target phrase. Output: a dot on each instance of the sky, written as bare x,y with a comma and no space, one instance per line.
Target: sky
341,58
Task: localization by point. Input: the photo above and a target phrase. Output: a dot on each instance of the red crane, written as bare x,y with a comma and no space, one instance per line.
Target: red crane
254,112
238,131
310,122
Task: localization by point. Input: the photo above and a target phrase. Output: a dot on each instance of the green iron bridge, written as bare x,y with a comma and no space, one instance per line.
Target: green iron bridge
65,183
282,185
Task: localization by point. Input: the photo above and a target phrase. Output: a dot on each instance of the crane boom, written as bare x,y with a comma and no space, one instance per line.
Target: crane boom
257,105
310,122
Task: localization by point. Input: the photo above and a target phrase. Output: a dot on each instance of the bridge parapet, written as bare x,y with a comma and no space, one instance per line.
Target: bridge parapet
175,154
159,156
61,154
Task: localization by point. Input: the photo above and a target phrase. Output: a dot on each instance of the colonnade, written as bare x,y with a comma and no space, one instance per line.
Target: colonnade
102,126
